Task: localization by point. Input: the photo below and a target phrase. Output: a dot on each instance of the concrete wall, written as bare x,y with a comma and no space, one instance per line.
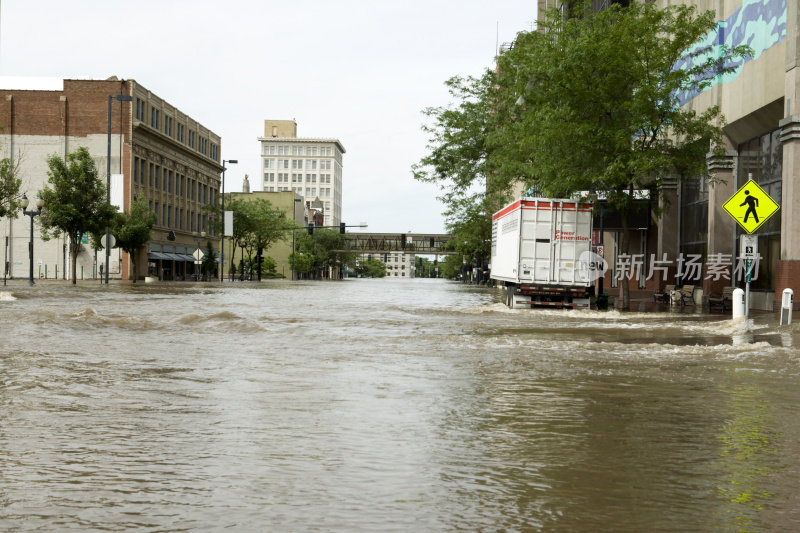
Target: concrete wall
280,128
32,151
292,205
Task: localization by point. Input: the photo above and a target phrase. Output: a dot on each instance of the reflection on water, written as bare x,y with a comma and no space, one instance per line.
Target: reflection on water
748,441
380,405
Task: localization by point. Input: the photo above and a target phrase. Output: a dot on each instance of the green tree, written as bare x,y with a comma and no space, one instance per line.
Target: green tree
459,162
209,263
240,228
301,262
330,253
270,267
74,201
371,268
265,225
132,229
591,103
322,250
469,220
450,266
9,188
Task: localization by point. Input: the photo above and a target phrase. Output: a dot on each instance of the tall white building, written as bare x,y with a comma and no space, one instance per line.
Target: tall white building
309,167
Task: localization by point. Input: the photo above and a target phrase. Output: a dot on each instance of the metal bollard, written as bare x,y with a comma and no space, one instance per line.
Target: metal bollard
786,307
738,303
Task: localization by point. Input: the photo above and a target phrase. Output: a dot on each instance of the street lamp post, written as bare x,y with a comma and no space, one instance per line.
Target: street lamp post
119,98
31,213
222,241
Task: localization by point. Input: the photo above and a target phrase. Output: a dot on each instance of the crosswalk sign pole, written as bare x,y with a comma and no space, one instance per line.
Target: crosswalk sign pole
748,250
747,265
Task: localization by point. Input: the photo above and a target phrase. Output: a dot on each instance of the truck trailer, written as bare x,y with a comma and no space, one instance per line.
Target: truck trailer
542,253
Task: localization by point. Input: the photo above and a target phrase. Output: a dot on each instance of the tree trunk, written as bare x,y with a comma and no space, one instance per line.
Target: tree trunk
133,260
74,248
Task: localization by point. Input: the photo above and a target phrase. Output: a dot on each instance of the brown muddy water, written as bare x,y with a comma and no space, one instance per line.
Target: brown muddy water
383,405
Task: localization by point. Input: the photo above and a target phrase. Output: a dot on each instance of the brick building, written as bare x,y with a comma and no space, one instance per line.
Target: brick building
157,152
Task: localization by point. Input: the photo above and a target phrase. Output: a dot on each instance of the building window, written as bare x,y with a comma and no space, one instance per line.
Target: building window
269,163
140,109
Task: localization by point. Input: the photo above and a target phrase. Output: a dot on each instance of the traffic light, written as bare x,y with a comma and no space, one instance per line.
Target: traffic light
341,228
311,228
403,241
432,242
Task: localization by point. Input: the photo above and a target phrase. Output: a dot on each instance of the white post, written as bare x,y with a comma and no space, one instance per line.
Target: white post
738,303
786,307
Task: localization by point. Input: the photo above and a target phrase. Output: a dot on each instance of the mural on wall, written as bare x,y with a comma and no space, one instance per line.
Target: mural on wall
760,24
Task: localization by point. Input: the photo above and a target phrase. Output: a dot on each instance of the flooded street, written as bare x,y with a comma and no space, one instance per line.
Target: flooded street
383,405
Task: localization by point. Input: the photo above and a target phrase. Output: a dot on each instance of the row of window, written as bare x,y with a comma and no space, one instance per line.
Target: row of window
295,149
181,219
308,192
176,131
312,191
283,177
297,164
161,178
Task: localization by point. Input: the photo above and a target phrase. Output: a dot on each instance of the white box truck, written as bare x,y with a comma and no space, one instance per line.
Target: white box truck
542,252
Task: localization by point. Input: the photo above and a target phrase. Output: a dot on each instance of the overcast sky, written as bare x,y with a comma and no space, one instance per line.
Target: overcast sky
359,71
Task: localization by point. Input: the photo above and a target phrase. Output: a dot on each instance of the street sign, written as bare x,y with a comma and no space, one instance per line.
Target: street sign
198,255
751,206
108,241
748,247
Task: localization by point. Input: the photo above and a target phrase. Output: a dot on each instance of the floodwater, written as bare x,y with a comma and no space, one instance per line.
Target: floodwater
384,405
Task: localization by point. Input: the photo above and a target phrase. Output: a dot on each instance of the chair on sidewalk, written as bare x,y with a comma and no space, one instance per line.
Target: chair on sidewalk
663,295
722,300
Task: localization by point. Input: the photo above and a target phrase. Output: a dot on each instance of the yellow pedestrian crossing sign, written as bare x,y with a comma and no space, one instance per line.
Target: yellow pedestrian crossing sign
750,206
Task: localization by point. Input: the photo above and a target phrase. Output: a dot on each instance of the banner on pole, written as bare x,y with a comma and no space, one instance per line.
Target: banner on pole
229,223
